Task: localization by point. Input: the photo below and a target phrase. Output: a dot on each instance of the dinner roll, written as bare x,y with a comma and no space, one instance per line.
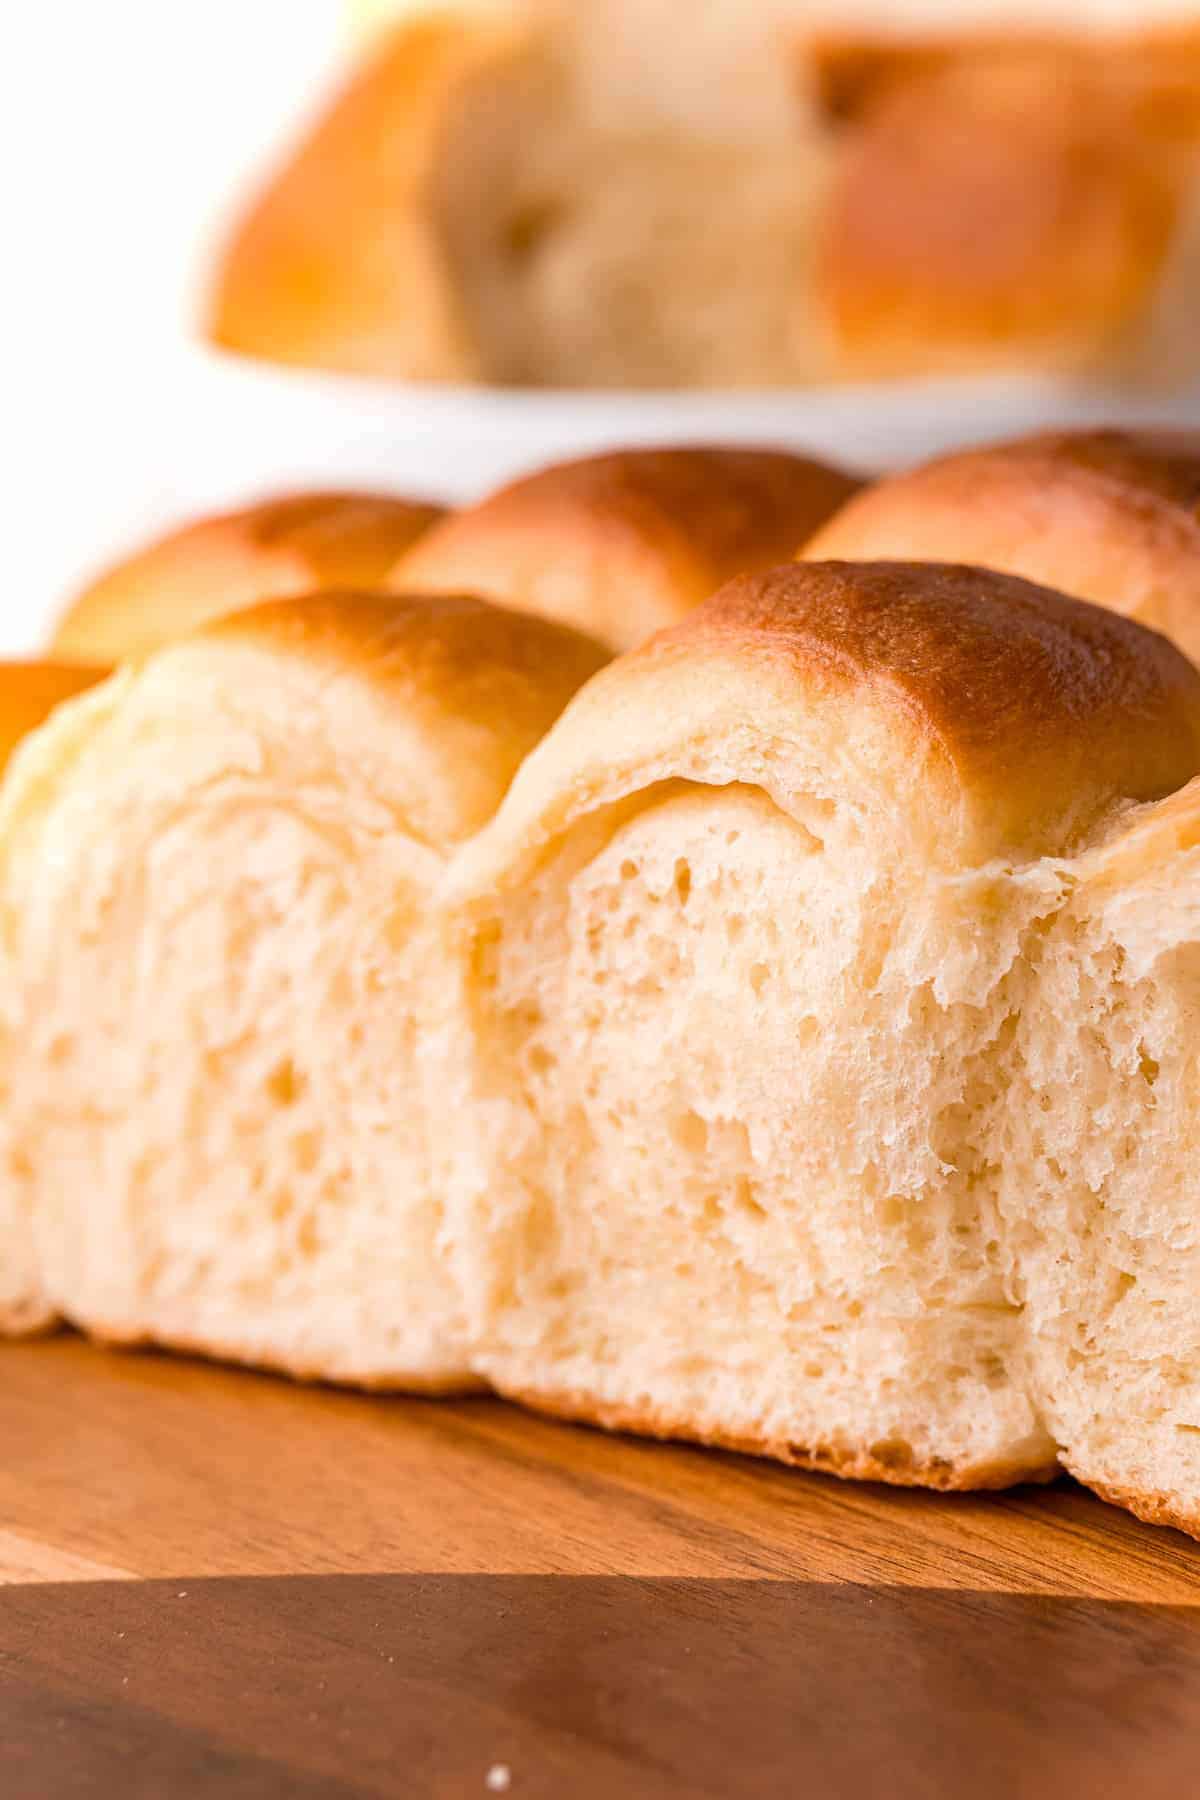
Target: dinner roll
1110,516
1003,212
623,543
750,957
1095,1150
513,195
341,261
29,692
288,545
224,978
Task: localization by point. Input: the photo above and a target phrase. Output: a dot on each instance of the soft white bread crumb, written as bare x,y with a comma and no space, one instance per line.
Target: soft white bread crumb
29,692
224,973
802,1057
752,952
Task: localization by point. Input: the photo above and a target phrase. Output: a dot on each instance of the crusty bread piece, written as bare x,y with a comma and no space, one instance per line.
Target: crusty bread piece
288,545
624,543
1112,517
223,973
29,692
752,957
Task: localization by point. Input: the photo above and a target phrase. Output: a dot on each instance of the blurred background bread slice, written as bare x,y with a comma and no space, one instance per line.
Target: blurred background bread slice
553,194
1002,200
542,195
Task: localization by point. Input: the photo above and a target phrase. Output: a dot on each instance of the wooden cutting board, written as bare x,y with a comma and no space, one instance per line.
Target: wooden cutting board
220,1584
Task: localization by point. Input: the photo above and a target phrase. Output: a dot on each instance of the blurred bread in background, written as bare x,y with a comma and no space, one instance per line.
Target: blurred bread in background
1008,200
579,193
1108,516
222,563
508,195
622,544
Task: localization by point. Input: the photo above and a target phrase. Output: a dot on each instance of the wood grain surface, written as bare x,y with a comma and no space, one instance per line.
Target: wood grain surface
223,1584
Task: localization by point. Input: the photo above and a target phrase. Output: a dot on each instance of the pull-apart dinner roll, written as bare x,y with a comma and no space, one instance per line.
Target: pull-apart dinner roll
624,543
29,692
1096,1150
225,978
288,545
750,958
1110,516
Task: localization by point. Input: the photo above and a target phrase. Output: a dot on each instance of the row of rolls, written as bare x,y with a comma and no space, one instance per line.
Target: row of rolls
697,941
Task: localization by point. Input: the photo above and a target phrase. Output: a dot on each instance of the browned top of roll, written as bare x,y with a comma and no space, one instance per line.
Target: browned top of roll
218,564
971,715
1112,517
624,543
446,694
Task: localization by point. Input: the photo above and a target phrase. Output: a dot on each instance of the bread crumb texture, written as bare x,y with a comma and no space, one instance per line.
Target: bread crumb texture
800,1054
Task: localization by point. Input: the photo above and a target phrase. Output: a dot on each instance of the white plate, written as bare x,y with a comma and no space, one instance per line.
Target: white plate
294,427
209,430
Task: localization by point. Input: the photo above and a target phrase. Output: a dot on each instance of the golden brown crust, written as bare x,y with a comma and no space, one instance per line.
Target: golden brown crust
883,1463
974,714
1112,517
624,543
339,263
29,692
214,565
994,211
1017,683
1152,1509
461,690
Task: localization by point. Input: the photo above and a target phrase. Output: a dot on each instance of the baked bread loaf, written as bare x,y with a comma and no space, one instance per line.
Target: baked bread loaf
1112,517
29,692
575,192
766,960
289,545
624,543
223,974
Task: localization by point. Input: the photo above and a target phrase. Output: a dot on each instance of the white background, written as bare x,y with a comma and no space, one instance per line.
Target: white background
129,129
